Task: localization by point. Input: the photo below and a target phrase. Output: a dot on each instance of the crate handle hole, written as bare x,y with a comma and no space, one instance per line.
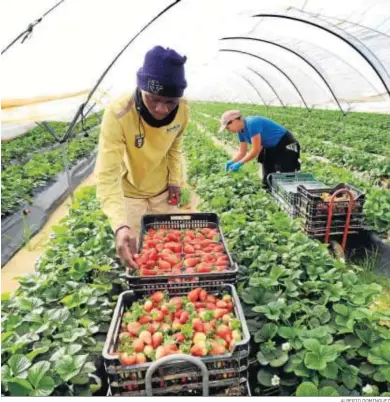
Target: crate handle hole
181,217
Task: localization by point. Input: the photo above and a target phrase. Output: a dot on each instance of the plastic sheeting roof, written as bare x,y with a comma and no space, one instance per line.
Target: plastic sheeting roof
72,46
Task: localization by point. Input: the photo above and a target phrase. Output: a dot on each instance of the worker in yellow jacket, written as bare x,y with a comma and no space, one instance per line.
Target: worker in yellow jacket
138,168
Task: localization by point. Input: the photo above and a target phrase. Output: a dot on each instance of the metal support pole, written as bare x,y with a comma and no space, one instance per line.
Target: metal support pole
67,170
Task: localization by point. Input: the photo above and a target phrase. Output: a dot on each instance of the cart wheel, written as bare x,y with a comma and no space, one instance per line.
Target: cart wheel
337,250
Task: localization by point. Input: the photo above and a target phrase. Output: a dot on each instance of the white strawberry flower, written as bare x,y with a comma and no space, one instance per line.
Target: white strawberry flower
368,389
286,347
275,380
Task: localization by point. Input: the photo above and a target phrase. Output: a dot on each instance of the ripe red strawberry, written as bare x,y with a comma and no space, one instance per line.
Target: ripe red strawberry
211,299
178,313
141,358
160,352
211,306
228,338
208,328
223,331
221,262
203,295
138,345
172,347
157,315
157,339
179,337
229,307
146,337
191,262
127,359
221,304
144,319
193,295
199,349
218,247
220,312
176,301
147,272
134,328
188,249
216,348
203,268
164,266
197,324
148,305
184,317
199,305
153,255
153,327
158,297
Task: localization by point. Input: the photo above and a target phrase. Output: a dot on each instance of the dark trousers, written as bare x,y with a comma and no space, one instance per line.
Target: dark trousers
284,157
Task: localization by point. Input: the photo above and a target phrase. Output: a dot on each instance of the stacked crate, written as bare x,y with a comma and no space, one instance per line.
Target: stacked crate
226,374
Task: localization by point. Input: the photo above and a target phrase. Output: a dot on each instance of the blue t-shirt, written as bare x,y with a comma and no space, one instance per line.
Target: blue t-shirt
270,132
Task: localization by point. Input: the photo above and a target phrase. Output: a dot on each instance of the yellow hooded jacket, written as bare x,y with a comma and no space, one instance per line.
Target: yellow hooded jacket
126,169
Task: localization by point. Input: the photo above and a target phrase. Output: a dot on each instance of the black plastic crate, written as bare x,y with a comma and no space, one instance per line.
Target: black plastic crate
223,370
229,388
311,205
284,188
180,222
317,226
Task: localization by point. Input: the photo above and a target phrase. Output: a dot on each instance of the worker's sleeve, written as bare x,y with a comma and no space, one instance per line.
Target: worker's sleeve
108,169
175,154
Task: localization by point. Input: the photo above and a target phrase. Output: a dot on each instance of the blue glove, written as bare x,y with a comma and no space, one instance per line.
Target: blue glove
228,164
236,166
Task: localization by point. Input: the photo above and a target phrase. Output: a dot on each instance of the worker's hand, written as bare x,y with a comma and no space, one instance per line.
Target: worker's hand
126,246
173,194
236,166
228,164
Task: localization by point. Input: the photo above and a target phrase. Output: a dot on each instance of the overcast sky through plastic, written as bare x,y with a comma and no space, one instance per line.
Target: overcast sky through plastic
73,45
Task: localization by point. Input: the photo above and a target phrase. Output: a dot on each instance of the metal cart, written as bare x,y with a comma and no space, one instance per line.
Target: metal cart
323,211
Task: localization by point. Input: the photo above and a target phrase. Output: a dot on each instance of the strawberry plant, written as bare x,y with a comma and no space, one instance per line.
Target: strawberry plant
308,314
18,182
377,218
14,151
54,325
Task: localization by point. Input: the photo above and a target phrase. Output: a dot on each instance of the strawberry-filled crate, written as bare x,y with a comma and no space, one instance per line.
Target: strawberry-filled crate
206,323
315,205
181,248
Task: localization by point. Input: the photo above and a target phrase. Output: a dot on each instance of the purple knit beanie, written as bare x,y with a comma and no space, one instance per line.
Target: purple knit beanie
162,73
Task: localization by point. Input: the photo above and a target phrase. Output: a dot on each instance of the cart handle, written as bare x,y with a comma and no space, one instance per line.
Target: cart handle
269,180
348,219
173,358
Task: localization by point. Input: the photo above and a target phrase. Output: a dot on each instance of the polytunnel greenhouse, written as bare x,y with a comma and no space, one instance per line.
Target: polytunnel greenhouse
195,198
